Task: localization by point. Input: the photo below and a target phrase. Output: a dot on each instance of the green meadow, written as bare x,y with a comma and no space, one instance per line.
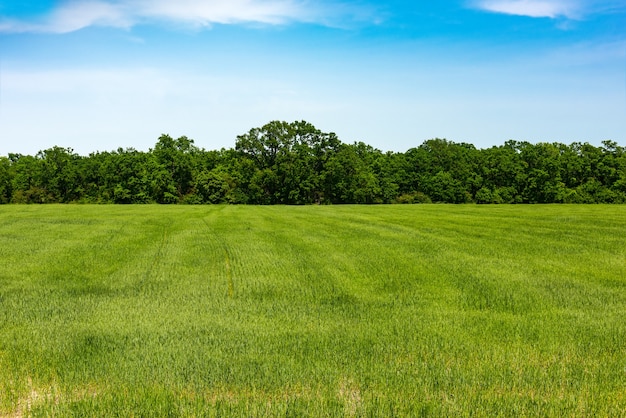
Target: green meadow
403,310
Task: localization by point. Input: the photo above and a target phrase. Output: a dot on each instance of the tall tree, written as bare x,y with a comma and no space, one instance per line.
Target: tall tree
59,174
289,159
27,180
5,180
174,167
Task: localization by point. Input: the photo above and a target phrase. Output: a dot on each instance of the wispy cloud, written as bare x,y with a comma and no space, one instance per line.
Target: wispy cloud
73,15
204,13
605,7
533,8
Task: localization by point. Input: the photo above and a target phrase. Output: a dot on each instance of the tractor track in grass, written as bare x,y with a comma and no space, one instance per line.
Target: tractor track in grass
227,258
150,271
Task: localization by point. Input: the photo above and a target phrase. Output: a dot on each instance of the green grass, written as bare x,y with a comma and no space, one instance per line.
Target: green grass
313,311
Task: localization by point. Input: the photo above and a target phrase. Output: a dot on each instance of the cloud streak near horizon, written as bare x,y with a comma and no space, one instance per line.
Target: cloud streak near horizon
553,9
71,16
532,8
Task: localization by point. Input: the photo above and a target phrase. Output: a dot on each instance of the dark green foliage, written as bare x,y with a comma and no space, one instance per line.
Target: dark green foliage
296,164
5,180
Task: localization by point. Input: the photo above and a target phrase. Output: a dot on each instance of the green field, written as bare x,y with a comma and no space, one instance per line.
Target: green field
313,311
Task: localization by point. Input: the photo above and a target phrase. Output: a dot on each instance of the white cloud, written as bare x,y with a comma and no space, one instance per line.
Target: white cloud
74,15
231,11
533,8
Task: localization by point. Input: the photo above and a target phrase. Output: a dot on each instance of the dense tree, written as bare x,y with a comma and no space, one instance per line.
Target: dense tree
445,171
175,161
289,160
26,180
5,180
295,163
60,176
215,186
502,171
126,177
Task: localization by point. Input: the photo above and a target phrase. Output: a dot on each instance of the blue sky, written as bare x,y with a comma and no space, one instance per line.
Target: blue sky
95,75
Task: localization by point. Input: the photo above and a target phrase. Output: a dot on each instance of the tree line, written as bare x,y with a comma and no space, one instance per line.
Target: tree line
295,163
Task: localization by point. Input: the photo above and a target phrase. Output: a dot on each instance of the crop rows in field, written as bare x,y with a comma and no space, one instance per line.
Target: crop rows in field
312,311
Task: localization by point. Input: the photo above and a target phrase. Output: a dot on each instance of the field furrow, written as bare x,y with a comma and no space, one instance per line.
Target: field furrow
312,311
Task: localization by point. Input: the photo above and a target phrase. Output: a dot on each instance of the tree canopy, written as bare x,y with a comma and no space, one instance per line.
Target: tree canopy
295,163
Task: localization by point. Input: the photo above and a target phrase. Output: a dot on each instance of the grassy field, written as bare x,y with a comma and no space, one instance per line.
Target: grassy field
313,311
